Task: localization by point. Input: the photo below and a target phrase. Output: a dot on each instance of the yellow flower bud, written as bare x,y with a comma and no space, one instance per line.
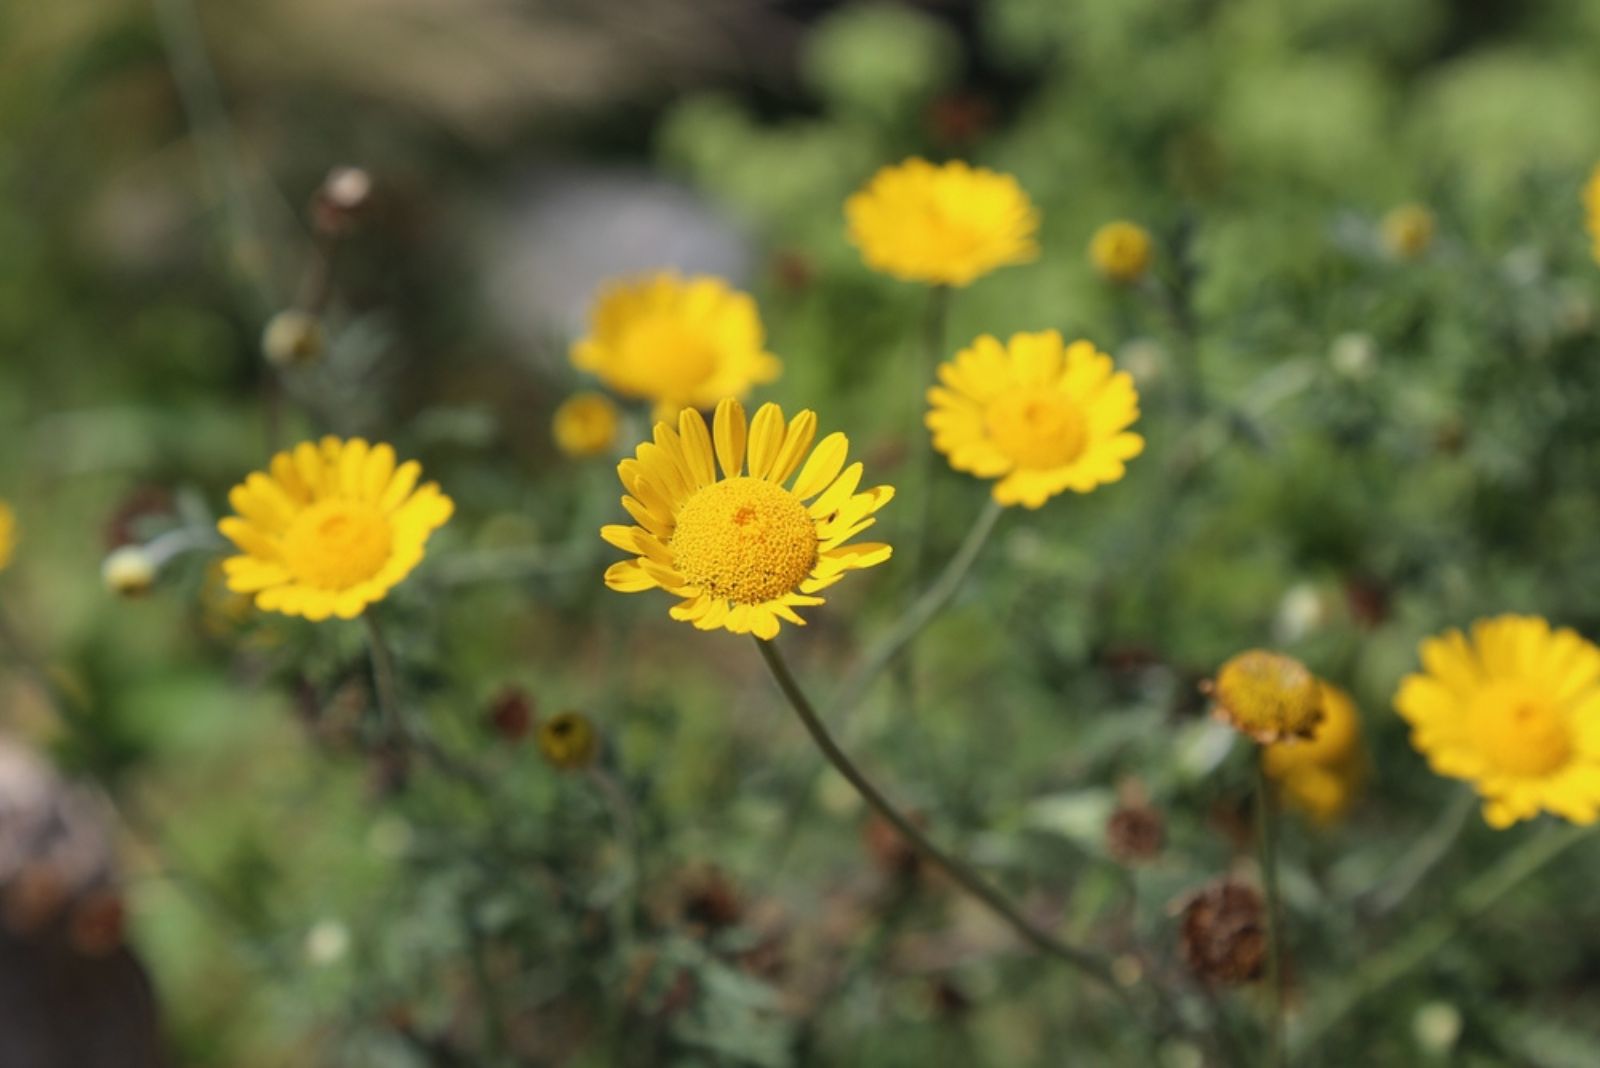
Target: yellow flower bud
1121,251
293,339
568,741
1408,231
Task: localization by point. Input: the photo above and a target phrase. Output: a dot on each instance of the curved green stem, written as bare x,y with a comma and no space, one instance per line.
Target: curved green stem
1423,856
922,611
1427,938
1089,963
385,689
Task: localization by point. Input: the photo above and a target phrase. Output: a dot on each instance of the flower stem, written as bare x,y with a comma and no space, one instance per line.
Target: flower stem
1276,1050
922,611
385,689
929,352
1423,856
1089,963
1475,898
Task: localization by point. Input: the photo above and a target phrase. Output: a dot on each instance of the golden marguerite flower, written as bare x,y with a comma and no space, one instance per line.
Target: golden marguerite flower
1591,208
8,534
332,528
585,425
743,551
676,342
1121,251
1515,710
1320,774
1266,695
943,225
1037,414
1407,231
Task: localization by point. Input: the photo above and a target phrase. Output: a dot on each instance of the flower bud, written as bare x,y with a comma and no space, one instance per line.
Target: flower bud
568,741
585,425
293,339
1407,231
341,200
1120,251
1135,834
129,571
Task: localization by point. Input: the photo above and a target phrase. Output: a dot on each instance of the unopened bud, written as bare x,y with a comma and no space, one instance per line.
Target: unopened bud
293,339
568,741
129,571
343,196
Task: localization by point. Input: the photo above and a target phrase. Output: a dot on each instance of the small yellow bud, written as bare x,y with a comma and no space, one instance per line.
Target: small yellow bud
293,339
568,741
129,571
8,534
1268,696
1121,251
585,425
1408,231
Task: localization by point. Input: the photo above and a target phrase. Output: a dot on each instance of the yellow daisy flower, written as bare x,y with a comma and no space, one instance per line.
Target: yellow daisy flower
1037,414
585,425
943,225
743,551
1266,695
1121,251
1319,774
1515,710
1591,206
8,534
1407,231
676,342
331,529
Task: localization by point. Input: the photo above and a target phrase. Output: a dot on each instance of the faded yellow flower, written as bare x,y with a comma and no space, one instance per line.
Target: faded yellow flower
676,342
948,224
585,425
743,550
1515,710
1320,774
1121,251
1035,413
1266,695
332,528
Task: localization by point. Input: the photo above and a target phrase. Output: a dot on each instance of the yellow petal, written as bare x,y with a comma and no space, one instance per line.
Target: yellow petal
728,429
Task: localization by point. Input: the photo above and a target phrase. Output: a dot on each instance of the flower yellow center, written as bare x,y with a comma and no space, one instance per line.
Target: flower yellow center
744,539
663,355
334,545
1038,428
1519,730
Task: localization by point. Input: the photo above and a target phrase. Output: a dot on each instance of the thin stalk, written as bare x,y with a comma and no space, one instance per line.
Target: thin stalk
1378,972
930,351
1276,1049
1423,856
1088,963
922,611
385,687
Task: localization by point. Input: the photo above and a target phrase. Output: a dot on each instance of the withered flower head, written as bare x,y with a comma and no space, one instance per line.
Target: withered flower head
1135,833
1268,696
1223,935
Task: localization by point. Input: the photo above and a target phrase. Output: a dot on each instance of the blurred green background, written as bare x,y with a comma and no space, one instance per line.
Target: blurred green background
1347,450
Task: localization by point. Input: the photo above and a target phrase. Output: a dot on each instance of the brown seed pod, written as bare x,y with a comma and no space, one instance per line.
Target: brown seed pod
1135,833
1223,934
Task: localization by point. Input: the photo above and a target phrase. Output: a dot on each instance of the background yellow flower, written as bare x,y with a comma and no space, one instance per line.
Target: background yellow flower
676,342
1037,414
1320,774
8,534
743,551
1515,710
331,529
1591,209
1120,251
585,424
945,225
1407,231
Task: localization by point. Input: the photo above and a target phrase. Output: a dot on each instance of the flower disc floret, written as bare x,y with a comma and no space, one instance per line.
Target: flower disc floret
1515,710
743,549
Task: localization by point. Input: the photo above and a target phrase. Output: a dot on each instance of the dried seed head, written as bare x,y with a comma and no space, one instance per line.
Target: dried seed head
1223,933
511,714
1135,833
